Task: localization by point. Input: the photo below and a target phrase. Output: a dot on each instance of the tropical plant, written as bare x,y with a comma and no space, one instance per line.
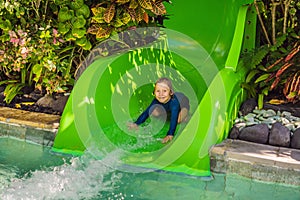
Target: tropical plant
274,63
44,41
110,17
31,53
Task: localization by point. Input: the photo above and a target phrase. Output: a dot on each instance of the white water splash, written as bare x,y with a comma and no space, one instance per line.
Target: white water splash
82,178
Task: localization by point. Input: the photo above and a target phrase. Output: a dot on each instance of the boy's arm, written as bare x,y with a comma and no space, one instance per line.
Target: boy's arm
174,118
142,118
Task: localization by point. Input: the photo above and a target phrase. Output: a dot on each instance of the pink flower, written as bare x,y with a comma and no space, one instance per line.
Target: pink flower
14,40
55,32
24,52
22,33
22,42
12,34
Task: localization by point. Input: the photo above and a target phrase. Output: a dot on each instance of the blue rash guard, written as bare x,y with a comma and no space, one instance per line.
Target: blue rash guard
172,107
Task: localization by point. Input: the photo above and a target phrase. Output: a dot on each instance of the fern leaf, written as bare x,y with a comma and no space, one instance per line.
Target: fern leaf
259,55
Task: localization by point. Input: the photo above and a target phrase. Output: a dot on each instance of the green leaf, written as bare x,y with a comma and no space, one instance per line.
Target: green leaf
83,10
65,14
79,22
251,75
11,91
262,78
82,41
5,25
37,71
78,32
69,37
63,28
87,46
265,91
260,101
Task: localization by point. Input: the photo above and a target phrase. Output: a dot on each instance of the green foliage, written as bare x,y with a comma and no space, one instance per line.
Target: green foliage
279,35
43,42
110,17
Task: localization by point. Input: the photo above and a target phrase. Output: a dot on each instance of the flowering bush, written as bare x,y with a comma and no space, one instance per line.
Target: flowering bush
43,42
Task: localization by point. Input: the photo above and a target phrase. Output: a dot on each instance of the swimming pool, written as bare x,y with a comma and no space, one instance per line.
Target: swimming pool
31,171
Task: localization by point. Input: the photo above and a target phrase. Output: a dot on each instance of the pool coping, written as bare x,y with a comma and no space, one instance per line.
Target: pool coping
251,160
256,161
35,127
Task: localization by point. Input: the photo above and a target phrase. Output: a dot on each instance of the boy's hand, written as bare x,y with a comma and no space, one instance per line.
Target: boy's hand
132,126
167,139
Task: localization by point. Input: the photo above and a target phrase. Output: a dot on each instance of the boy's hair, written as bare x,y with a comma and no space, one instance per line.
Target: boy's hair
166,81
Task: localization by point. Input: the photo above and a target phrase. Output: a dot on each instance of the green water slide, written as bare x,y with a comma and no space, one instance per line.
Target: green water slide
199,51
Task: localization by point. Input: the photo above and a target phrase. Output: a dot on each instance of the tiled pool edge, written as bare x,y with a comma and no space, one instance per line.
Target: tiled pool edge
39,128
256,161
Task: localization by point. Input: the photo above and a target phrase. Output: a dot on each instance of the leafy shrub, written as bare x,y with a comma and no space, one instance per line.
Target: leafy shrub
274,64
43,42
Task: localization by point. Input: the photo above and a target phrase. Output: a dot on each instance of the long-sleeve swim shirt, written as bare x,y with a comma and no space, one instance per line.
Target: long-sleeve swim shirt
172,107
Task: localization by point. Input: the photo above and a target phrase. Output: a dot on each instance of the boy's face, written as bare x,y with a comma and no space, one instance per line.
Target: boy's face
162,92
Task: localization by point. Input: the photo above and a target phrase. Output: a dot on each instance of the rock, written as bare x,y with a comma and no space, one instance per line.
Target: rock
35,95
248,106
285,121
280,135
2,88
269,121
269,113
286,114
234,132
59,103
2,97
258,133
290,126
295,140
240,125
46,101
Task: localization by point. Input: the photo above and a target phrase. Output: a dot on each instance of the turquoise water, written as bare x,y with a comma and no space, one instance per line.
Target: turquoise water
30,171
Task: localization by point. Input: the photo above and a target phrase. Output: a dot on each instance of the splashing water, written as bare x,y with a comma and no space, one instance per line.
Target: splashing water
82,178
88,178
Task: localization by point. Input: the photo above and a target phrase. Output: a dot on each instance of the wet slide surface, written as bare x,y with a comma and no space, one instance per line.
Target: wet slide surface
199,52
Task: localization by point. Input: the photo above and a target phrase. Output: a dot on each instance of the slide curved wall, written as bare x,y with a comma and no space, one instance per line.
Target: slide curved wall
199,51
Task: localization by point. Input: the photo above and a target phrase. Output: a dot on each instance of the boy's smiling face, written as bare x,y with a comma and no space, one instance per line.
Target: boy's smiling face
162,92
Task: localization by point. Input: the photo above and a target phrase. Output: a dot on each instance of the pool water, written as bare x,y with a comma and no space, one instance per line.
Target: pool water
31,171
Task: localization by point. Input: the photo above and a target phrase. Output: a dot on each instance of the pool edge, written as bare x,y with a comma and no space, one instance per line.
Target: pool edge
256,161
35,127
